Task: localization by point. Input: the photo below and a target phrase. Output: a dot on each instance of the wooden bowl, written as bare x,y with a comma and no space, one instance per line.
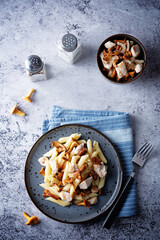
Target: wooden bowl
142,56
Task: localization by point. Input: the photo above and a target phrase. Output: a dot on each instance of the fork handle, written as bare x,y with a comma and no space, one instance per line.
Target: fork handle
116,207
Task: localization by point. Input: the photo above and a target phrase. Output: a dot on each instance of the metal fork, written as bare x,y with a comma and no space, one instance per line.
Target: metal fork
138,161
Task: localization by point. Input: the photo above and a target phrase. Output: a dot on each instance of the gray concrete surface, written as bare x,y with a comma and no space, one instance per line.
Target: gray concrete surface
31,26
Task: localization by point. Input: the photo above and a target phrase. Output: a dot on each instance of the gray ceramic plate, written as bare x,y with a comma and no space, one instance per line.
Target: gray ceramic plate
73,213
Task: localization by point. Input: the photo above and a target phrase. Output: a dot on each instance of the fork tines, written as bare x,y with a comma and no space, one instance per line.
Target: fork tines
145,150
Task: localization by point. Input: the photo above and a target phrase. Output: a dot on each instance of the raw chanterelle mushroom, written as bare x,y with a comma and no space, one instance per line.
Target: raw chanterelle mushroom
27,98
31,220
15,110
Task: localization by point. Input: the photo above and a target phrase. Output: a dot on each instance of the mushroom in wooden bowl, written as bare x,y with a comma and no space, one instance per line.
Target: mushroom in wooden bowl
121,58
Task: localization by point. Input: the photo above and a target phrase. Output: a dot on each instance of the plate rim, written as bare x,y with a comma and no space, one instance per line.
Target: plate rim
27,162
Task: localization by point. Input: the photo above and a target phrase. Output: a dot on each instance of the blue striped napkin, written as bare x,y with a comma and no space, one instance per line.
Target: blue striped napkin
116,126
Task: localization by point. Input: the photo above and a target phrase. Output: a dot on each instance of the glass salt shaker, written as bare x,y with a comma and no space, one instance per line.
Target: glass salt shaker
35,68
70,49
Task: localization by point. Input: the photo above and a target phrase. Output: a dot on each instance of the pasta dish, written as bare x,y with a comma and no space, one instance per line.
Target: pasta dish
74,171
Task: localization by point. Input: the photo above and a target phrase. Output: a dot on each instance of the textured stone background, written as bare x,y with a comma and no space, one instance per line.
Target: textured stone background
31,26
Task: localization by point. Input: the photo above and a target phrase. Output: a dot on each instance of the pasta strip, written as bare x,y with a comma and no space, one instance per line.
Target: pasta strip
83,160
100,154
67,187
75,136
59,202
89,147
53,179
101,182
91,195
65,175
50,152
81,141
47,172
74,159
51,189
94,154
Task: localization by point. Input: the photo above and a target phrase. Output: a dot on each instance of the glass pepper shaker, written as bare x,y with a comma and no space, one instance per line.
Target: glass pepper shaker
35,68
70,49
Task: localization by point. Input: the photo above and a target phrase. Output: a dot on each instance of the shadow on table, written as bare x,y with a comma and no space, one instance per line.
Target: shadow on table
150,74
49,71
89,54
152,70
118,222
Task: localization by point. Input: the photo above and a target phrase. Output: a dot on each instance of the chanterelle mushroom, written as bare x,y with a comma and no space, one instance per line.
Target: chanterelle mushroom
27,98
123,46
108,64
74,144
15,110
58,145
31,220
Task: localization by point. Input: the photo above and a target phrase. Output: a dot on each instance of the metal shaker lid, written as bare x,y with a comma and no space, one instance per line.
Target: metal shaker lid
69,42
34,64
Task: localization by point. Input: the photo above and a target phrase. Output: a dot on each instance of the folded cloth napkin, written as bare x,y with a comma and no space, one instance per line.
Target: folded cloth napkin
116,126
